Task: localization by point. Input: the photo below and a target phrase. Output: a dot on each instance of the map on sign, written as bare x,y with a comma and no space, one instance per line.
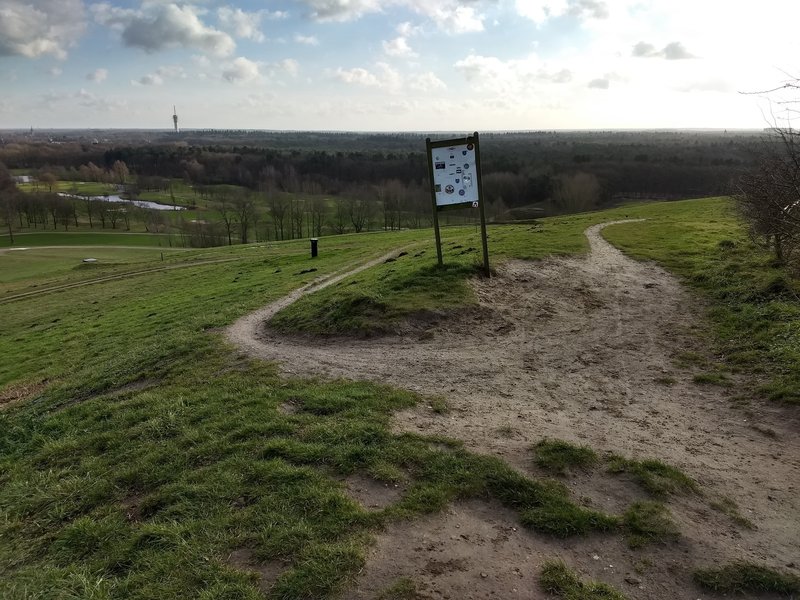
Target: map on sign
454,175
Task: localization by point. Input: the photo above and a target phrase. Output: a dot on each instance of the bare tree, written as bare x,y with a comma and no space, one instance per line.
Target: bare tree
278,206
8,198
296,217
49,179
113,216
359,208
244,211
317,213
577,192
90,202
227,212
768,196
121,172
340,217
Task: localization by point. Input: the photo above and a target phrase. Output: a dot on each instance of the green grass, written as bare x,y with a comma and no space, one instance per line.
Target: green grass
713,378
754,303
415,284
656,477
649,523
413,288
559,457
80,188
149,488
729,508
146,450
84,238
36,263
754,307
558,579
402,589
747,578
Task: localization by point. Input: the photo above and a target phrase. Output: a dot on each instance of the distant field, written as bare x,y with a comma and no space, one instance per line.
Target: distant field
17,265
81,188
84,238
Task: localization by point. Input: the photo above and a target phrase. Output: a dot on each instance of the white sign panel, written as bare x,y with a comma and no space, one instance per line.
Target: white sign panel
455,179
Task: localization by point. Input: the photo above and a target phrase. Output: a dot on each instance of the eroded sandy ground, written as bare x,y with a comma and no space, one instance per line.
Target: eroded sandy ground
582,349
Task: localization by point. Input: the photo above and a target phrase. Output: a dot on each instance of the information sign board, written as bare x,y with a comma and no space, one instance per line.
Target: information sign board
454,174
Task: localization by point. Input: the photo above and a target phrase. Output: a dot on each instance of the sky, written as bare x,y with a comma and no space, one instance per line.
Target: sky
396,65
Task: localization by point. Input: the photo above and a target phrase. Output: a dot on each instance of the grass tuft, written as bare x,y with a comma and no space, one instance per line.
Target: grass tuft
728,507
658,478
545,506
647,523
745,578
558,456
556,578
713,378
402,589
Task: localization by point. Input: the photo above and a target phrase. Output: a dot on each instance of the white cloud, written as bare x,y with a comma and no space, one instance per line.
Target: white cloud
87,99
242,24
308,40
357,76
40,27
599,84
241,70
509,77
672,51
406,29
382,77
98,75
289,66
540,11
450,16
385,78
342,10
676,51
56,71
162,74
276,15
426,82
160,26
398,47
149,79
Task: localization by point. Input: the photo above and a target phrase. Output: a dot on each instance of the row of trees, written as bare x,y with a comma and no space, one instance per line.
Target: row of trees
46,210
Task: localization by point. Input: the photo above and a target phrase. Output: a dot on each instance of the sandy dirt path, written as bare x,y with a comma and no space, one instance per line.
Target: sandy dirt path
581,349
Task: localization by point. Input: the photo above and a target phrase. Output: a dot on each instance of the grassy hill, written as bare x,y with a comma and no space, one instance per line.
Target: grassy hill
139,452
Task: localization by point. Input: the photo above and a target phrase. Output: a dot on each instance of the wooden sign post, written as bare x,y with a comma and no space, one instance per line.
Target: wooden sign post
454,170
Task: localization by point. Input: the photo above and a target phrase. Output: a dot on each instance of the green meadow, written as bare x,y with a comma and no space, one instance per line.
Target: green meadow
35,263
84,238
138,450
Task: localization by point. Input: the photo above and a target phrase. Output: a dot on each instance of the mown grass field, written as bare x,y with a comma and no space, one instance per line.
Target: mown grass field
137,450
84,238
79,188
35,263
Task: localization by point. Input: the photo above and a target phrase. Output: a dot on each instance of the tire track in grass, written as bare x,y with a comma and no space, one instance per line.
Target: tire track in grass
68,286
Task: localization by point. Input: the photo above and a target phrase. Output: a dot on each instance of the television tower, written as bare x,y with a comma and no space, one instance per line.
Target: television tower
175,118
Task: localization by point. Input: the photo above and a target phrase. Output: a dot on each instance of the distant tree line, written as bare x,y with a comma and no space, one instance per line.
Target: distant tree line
519,169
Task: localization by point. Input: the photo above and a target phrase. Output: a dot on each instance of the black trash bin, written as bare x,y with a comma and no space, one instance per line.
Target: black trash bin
314,247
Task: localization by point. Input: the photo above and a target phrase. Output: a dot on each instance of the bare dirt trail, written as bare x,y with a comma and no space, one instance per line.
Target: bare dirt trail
581,349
